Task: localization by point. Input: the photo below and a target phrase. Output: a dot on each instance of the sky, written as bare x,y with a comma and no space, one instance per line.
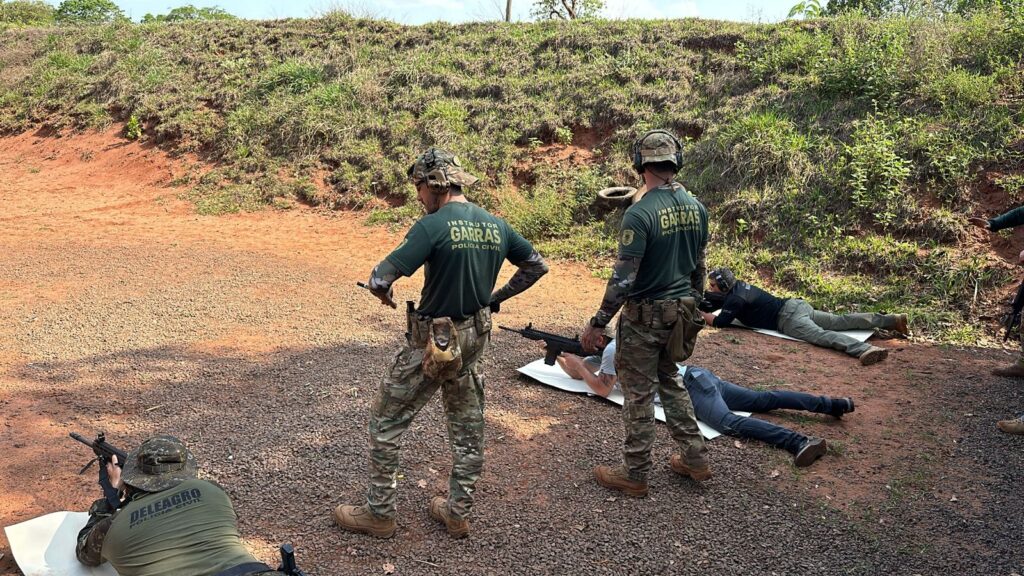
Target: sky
422,11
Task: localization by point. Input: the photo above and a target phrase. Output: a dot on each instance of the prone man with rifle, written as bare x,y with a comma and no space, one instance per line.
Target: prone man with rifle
157,517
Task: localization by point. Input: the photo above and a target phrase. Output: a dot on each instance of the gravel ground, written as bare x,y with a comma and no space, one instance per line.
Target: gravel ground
239,335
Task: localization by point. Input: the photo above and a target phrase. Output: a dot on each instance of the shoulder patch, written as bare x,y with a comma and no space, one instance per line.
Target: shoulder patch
627,237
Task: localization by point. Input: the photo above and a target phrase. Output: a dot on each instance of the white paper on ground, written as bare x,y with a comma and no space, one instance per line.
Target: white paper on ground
861,335
554,376
45,546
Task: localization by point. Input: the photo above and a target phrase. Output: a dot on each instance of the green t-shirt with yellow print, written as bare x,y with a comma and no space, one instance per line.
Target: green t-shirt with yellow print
668,230
462,248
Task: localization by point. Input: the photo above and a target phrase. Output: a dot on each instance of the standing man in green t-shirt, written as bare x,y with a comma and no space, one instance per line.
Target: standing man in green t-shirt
461,247
657,280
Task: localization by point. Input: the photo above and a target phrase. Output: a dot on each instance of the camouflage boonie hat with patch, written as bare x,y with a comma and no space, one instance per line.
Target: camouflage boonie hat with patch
159,463
439,169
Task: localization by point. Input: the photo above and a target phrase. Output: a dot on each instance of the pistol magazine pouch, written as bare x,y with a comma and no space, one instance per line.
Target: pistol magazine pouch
442,358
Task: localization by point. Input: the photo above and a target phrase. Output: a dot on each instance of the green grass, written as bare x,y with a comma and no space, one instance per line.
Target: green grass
838,159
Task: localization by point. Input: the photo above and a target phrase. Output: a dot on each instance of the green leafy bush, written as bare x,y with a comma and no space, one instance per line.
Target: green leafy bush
26,13
876,172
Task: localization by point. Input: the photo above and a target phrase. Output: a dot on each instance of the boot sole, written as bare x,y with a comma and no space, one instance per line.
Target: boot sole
874,357
358,528
810,455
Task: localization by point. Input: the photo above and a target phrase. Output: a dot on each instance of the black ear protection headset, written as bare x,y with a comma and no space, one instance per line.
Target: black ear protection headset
723,277
638,160
437,177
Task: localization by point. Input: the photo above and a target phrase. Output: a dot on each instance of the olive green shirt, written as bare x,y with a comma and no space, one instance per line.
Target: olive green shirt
461,248
190,529
668,230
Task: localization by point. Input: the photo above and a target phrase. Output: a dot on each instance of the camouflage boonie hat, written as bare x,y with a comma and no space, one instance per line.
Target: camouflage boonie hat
159,463
657,146
438,169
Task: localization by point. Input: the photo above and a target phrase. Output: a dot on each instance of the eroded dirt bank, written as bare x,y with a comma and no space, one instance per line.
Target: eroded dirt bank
122,310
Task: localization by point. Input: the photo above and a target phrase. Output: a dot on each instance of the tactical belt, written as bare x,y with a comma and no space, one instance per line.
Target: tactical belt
247,568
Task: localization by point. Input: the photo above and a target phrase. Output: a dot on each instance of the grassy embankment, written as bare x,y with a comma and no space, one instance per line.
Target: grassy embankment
839,158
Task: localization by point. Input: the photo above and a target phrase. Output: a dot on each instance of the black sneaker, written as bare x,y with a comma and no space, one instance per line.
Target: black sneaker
841,406
813,449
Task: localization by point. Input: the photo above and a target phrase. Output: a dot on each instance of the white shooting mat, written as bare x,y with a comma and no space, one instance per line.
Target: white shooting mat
554,376
45,546
861,335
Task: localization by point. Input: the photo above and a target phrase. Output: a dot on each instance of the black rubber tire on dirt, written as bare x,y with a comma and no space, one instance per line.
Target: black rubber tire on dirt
618,195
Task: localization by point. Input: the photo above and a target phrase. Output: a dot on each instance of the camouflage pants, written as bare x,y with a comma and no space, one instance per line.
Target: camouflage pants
403,393
644,366
799,320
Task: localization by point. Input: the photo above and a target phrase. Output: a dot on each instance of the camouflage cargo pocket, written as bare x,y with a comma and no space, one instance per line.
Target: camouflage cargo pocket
402,385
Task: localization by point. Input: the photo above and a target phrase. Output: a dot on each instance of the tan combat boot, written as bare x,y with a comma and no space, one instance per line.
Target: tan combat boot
680,467
439,511
1015,370
873,355
617,478
360,519
1015,426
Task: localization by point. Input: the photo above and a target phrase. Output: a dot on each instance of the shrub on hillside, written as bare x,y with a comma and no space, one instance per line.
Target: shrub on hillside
26,13
876,172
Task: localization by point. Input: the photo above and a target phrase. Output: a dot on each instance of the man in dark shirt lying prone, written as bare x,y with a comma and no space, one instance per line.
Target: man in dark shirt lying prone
756,308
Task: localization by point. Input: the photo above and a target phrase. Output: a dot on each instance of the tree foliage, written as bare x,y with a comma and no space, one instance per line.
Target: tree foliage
566,9
26,13
807,9
88,12
190,12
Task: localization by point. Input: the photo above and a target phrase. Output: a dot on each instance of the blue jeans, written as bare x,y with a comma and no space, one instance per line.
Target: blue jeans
714,398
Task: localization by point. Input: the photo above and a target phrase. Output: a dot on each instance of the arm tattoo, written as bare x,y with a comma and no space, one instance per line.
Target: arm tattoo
382,277
619,286
530,270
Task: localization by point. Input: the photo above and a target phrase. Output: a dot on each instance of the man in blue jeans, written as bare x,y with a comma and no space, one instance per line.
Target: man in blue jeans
714,400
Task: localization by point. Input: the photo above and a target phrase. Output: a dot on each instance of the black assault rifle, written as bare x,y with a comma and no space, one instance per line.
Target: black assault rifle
1013,318
553,343
104,452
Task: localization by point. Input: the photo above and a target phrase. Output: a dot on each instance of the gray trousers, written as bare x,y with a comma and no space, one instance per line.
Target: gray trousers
799,320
